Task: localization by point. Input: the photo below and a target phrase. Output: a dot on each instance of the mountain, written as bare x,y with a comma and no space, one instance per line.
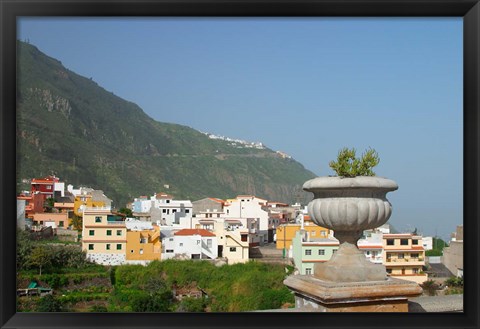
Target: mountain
69,125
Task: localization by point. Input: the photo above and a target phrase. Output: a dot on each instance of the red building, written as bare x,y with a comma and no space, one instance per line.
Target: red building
45,186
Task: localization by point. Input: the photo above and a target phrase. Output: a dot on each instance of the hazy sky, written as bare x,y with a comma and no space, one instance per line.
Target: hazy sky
305,86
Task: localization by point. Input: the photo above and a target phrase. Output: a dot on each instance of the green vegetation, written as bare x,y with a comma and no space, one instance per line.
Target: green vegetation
348,165
454,285
235,288
79,286
89,136
438,245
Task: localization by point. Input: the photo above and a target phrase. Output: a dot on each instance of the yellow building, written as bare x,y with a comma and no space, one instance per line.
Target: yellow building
89,198
404,256
286,233
143,244
104,236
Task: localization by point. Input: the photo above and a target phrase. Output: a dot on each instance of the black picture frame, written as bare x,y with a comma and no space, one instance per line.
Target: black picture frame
468,9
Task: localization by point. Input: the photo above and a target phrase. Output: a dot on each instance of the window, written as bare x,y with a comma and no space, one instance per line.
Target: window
170,239
233,249
187,211
198,242
401,256
415,270
141,251
174,211
415,242
109,232
414,255
131,251
368,253
49,187
308,271
143,240
119,246
389,270
169,250
334,251
390,242
119,232
314,233
164,211
404,242
244,237
209,243
90,246
168,201
308,252
98,219
181,244
60,224
108,246
91,232
321,252
323,233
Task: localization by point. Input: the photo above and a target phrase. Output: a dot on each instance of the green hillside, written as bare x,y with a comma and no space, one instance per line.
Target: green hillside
69,125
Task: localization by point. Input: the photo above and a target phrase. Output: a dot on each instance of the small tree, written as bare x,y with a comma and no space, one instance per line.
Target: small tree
40,257
77,222
348,165
49,304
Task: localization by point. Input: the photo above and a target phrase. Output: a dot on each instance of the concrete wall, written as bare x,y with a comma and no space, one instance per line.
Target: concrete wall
453,257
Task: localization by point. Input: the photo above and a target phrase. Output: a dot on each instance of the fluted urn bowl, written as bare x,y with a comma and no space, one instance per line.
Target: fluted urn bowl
350,204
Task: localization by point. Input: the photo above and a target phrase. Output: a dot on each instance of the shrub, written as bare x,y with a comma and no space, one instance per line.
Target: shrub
348,165
49,303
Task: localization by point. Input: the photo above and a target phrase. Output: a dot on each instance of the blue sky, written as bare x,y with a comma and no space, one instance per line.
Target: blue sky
305,86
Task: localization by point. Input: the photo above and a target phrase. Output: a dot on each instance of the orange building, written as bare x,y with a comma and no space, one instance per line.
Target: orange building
404,256
285,233
143,245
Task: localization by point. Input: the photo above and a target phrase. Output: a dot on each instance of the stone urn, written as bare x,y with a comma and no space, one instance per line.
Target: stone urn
348,206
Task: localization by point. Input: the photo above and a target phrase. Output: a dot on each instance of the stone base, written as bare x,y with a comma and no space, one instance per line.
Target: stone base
390,295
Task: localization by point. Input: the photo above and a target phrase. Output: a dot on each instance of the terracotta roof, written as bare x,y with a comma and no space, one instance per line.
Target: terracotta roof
197,231
217,200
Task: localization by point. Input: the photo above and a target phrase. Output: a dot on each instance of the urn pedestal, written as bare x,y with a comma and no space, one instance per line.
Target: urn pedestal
348,282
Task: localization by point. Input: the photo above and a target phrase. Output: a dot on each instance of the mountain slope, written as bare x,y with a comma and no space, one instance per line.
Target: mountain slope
69,125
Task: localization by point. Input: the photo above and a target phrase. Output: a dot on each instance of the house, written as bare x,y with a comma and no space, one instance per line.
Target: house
250,206
453,254
104,236
207,204
54,220
404,256
87,197
143,242
232,236
34,202
285,233
163,208
372,246
308,251
191,244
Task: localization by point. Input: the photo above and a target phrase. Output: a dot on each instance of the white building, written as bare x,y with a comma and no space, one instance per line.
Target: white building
162,207
233,235
372,246
190,244
252,208
427,242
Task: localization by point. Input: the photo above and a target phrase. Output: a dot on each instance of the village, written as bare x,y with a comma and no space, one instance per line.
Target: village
237,230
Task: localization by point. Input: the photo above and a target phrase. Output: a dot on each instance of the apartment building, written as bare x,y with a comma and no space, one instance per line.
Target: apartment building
307,251
285,233
143,242
104,236
162,208
404,256
233,235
